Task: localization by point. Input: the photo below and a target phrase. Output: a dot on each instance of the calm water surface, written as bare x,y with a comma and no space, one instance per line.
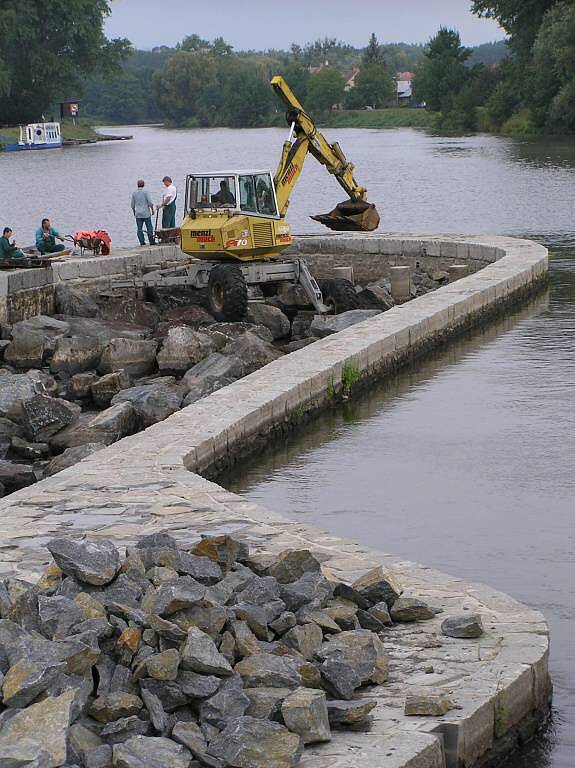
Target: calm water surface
464,461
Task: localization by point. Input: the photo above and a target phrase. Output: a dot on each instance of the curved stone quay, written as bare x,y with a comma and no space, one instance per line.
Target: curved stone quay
153,481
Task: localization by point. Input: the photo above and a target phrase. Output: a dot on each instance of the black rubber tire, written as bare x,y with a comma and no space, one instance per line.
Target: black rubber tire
338,294
227,294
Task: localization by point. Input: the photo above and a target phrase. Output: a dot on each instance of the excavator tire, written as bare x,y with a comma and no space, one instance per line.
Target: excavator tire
338,294
227,293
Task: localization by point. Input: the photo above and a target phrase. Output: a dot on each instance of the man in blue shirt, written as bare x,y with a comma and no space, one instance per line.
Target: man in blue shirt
46,239
143,208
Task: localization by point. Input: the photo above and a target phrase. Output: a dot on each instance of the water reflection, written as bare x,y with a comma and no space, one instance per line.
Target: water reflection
485,490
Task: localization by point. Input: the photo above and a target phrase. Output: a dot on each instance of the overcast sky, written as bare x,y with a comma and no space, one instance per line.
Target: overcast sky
262,24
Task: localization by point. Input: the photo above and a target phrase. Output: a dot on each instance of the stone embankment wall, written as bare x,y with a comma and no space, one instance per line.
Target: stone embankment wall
150,482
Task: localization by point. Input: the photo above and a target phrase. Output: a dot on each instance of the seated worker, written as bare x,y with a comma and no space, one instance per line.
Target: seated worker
224,196
46,237
8,250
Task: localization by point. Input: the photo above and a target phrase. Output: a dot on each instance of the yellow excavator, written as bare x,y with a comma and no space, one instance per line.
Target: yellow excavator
235,226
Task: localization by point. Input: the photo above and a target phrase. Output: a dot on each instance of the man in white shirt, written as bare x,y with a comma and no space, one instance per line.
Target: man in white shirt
168,204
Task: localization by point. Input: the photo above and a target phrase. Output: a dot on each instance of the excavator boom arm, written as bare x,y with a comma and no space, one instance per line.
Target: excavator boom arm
305,138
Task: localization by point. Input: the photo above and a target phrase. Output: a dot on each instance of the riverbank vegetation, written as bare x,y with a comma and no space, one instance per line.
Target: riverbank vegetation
48,51
206,83
390,117
531,91
523,85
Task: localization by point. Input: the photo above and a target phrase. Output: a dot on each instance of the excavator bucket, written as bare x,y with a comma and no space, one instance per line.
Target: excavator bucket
351,216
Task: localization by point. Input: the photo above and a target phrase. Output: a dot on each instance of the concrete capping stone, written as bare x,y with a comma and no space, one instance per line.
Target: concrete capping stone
148,482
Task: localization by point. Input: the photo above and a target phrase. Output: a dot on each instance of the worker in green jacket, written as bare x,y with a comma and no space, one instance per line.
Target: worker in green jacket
46,237
9,250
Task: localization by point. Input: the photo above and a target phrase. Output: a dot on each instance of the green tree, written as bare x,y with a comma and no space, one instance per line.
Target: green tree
553,94
373,54
442,74
206,89
49,49
325,90
221,48
521,19
297,77
374,87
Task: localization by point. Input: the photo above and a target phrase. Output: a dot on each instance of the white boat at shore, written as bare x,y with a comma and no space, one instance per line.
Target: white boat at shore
37,136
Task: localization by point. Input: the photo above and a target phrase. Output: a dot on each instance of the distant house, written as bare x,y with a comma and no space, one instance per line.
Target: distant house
317,70
403,88
350,75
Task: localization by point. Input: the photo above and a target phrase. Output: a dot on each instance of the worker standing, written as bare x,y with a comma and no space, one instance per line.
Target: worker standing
168,204
143,208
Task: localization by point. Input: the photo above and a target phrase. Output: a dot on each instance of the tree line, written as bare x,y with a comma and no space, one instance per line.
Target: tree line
58,51
531,90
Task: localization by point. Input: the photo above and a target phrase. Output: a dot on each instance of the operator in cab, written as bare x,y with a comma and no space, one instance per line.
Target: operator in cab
46,237
265,198
224,196
8,248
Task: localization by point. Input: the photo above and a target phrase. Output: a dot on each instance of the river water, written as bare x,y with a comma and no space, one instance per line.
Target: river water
465,460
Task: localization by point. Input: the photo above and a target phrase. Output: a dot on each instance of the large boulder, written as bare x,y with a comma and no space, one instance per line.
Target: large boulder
152,402
9,429
106,427
228,331
136,356
150,752
183,348
465,626
376,295
37,735
325,325
45,383
266,670
73,301
79,385
251,743
103,330
90,562
200,654
213,373
104,388
130,310
14,476
291,564
33,340
26,352
378,585
44,416
74,354
252,351
352,659
15,390
71,456
271,318
305,712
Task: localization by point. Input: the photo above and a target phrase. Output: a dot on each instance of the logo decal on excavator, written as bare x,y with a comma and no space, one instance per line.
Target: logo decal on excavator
203,236
290,173
233,243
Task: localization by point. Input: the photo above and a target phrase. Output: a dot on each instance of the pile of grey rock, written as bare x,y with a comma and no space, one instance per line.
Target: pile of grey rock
173,657
70,385
99,370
